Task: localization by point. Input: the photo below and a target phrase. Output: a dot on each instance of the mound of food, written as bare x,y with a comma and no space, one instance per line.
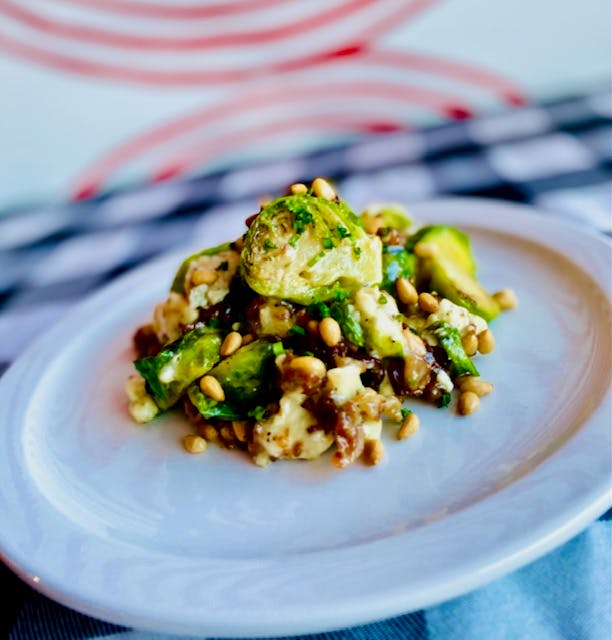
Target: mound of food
312,328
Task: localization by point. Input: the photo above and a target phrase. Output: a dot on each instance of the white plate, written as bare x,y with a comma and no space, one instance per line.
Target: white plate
115,520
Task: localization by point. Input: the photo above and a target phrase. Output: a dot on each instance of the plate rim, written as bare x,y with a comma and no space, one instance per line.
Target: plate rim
542,539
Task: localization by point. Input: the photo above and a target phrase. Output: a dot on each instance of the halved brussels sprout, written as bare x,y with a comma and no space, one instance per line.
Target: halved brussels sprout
177,365
392,214
305,249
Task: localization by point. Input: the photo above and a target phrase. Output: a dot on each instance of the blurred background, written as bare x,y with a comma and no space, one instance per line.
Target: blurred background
100,94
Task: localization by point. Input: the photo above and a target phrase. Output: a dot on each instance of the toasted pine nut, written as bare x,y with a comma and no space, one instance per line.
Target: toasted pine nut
298,189
373,451
486,341
247,338
406,291
409,427
240,430
322,189
210,386
231,343
330,332
476,385
227,435
506,299
468,403
425,250
208,432
312,327
470,344
203,276
309,365
194,444
373,224
428,303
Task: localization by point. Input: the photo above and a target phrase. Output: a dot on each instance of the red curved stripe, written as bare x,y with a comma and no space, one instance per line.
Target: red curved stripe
127,41
461,71
102,169
172,11
406,96
224,144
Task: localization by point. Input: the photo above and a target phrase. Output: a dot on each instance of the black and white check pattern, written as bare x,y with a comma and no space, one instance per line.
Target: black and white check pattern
557,155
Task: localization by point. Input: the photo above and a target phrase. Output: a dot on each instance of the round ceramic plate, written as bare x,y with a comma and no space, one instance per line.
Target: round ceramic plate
117,521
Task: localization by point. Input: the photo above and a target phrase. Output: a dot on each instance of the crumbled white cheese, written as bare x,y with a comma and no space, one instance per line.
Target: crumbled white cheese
220,269
457,317
141,406
290,433
444,382
379,319
169,315
344,383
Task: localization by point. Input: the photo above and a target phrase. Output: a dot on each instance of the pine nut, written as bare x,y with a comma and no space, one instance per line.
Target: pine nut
240,430
373,224
210,386
428,303
227,435
247,339
298,189
506,299
231,343
409,426
486,341
468,403
322,189
309,365
194,444
203,276
208,432
330,332
312,327
470,344
373,451
476,385
425,250
406,292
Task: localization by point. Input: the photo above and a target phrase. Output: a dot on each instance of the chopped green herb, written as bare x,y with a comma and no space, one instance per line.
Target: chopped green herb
327,243
293,241
405,413
258,413
315,259
278,349
356,251
214,323
224,266
342,232
319,310
268,244
340,295
444,400
297,330
382,299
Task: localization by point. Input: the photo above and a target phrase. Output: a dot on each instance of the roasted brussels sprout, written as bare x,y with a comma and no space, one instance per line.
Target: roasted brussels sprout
246,377
304,249
177,365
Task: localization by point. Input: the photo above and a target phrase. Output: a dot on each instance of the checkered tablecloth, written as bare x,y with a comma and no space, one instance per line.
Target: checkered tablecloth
557,155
